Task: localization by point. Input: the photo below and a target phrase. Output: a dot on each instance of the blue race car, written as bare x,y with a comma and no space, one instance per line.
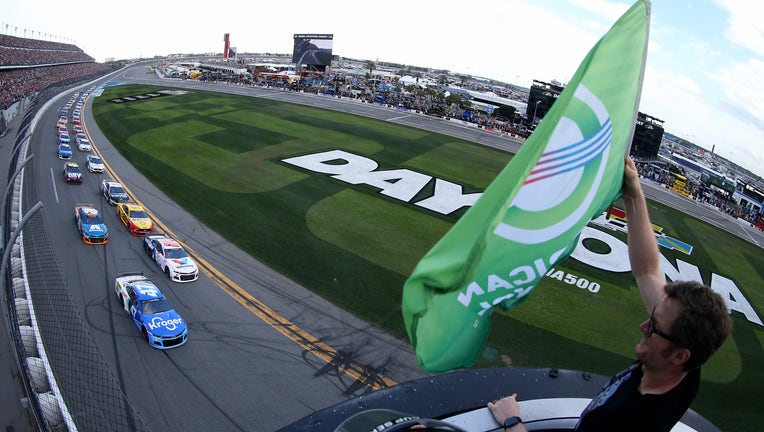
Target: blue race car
150,311
64,151
90,224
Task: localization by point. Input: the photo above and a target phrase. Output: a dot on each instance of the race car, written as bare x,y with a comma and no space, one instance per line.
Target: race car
64,151
135,219
90,224
72,173
113,192
83,144
94,164
64,138
150,311
171,258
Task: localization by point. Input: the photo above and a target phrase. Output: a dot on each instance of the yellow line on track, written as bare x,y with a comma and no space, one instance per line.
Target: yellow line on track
307,341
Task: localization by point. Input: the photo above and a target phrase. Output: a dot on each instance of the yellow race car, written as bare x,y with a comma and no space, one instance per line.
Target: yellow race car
135,219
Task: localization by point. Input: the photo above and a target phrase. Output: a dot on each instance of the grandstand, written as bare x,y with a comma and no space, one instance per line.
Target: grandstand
27,66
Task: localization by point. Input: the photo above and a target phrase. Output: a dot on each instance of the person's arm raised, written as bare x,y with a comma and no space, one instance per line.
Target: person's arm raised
643,247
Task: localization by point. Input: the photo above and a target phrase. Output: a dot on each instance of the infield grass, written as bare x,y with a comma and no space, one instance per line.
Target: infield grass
219,156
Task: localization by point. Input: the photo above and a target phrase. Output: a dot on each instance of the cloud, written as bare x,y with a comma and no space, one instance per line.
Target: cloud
705,116
655,48
686,85
609,11
700,49
743,86
746,27
499,40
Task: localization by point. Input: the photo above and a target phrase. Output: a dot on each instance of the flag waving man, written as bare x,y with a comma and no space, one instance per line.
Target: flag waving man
529,218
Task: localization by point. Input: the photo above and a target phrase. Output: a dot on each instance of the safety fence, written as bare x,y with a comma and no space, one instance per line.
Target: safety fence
68,384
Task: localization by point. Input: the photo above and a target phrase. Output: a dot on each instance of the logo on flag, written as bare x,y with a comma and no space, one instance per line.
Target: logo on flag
570,169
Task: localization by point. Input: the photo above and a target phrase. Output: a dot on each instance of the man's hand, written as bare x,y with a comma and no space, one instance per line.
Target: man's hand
505,408
631,186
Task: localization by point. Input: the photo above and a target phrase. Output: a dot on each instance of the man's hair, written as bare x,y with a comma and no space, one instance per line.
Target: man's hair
704,323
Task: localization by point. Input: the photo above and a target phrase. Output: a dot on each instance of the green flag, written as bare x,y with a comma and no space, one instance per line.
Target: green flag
530,216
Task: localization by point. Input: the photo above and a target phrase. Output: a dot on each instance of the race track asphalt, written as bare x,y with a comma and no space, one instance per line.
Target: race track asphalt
237,372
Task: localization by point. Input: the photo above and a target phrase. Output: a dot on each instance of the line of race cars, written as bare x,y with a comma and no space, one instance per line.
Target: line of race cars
72,172
143,301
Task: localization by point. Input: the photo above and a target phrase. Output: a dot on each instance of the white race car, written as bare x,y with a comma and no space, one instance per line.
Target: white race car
83,144
113,192
171,258
94,164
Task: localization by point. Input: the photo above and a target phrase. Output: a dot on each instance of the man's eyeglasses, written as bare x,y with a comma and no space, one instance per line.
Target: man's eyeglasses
652,329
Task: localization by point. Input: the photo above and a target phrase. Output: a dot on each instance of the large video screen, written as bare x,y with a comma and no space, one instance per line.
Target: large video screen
312,49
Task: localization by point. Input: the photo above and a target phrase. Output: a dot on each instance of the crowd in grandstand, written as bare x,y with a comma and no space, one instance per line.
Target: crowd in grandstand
371,90
431,103
28,66
699,192
15,51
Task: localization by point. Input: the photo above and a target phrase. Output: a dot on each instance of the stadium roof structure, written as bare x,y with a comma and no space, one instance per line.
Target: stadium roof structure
694,165
231,69
421,82
489,98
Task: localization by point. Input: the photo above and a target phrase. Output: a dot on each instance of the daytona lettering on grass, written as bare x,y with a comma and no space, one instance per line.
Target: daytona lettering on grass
448,197
401,184
572,279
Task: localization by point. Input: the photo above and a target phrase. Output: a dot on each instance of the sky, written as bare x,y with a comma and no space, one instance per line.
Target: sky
705,66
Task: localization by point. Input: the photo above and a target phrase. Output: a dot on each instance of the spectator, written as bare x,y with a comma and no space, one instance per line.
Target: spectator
40,64
688,322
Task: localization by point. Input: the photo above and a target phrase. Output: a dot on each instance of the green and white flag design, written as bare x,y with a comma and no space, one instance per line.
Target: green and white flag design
529,218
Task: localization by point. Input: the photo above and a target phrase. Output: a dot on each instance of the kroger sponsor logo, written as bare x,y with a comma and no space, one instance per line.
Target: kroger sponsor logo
158,322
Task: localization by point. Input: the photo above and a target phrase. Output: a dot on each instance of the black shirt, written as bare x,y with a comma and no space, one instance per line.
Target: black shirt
620,406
